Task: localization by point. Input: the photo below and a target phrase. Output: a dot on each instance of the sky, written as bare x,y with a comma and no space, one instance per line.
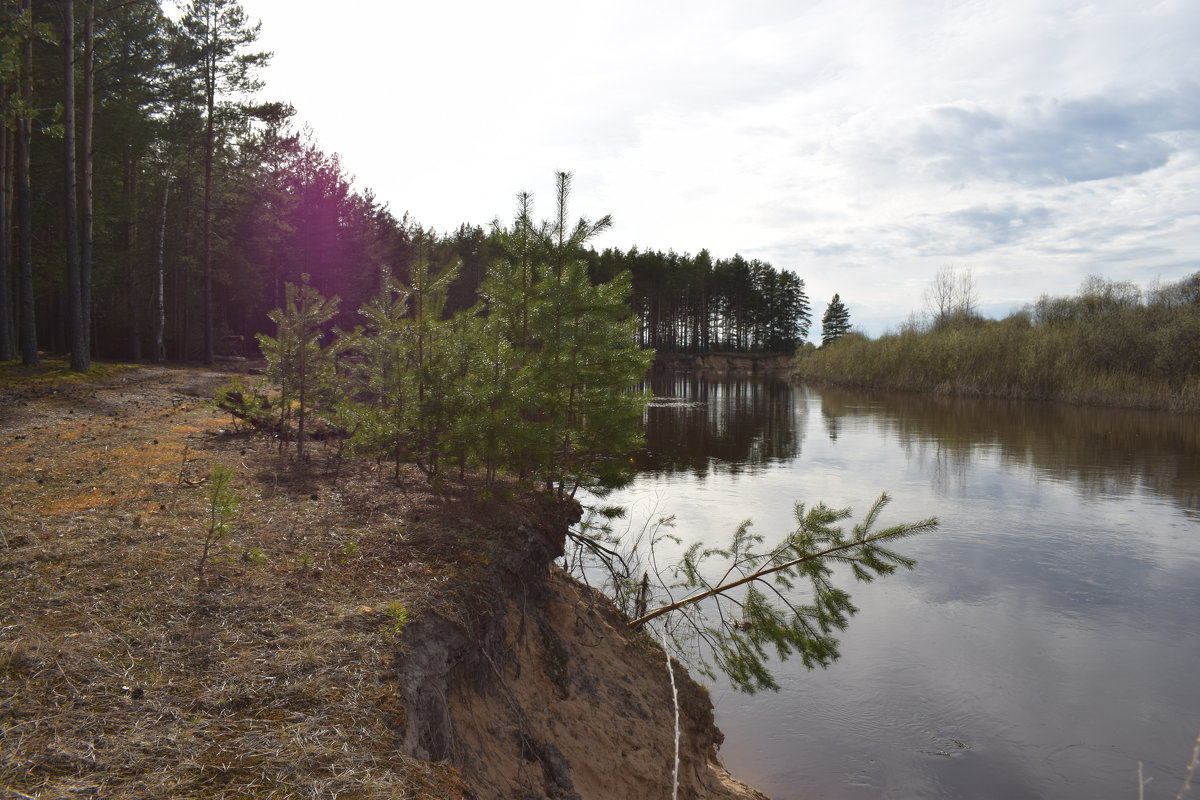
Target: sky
863,144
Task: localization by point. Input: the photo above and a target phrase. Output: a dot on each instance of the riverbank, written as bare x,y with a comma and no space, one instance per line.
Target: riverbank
1111,345
955,363
722,363
350,635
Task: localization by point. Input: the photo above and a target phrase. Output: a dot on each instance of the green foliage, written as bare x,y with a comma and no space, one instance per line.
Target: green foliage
208,201
435,360
378,405
297,361
782,599
571,343
835,322
1109,343
405,388
538,378
733,635
399,616
245,403
222,505
210,48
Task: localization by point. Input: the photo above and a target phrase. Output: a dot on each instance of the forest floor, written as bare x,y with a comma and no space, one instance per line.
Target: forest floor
126,671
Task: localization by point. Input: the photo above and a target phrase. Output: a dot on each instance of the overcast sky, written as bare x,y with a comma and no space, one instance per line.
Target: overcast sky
864,144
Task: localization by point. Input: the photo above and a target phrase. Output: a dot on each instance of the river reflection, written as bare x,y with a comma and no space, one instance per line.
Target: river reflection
1049,638
699,424
1103,451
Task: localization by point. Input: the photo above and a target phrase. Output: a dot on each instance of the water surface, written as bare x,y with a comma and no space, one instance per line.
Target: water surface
1049,638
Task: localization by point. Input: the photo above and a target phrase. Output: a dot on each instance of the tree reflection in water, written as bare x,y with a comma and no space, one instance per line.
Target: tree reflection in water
725,425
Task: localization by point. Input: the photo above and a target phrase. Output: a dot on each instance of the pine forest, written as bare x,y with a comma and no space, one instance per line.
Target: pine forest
155,206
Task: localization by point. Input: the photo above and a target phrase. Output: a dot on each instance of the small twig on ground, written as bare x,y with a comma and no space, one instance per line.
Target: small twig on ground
63,672
12,519
15,793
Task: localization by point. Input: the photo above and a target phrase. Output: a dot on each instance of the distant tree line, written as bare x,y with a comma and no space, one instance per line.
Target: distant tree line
152,208
1112,343
699,304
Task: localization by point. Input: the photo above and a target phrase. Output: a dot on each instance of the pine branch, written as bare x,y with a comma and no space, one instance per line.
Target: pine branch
865,542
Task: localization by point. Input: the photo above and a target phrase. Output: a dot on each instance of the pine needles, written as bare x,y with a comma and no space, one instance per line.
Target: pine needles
733,634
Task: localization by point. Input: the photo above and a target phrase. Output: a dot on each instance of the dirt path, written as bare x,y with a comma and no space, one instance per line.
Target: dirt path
81,447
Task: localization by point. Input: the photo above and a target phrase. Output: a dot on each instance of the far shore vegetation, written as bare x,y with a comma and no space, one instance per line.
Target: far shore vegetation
1111,344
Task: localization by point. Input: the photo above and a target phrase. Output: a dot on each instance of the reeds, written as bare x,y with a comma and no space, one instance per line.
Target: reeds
1095,349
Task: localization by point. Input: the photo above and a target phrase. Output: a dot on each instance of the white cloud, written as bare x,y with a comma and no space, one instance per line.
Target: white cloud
862,143
1044,141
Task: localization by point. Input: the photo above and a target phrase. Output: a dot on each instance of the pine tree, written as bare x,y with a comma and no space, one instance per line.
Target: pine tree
492,425
296,359
835,322
24,195
409,391
378,405
573,347
431,354
214,35
508,304
11,33
539,378
76,327
86,199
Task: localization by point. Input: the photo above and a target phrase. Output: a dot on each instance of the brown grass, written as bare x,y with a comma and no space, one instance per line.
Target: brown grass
53,371
125,676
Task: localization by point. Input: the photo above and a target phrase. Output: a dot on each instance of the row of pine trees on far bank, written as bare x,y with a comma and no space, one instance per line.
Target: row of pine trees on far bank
152,208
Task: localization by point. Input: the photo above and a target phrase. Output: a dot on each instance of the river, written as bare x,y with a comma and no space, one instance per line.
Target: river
1048,639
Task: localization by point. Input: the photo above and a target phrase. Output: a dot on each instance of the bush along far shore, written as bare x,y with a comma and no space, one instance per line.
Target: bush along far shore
1110,345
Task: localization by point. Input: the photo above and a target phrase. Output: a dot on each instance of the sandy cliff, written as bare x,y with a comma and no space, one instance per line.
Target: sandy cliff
533,687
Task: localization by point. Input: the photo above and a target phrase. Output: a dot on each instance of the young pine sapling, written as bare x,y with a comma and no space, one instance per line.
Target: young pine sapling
222,505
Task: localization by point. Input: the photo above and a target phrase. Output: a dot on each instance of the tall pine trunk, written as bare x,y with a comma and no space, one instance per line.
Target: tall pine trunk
89,101
210,88
186,270
134,333
7,348
76,329
28,325
160,320
181,276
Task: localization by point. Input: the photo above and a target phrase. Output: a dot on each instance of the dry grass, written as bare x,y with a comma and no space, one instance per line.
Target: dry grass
123,675
55,371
